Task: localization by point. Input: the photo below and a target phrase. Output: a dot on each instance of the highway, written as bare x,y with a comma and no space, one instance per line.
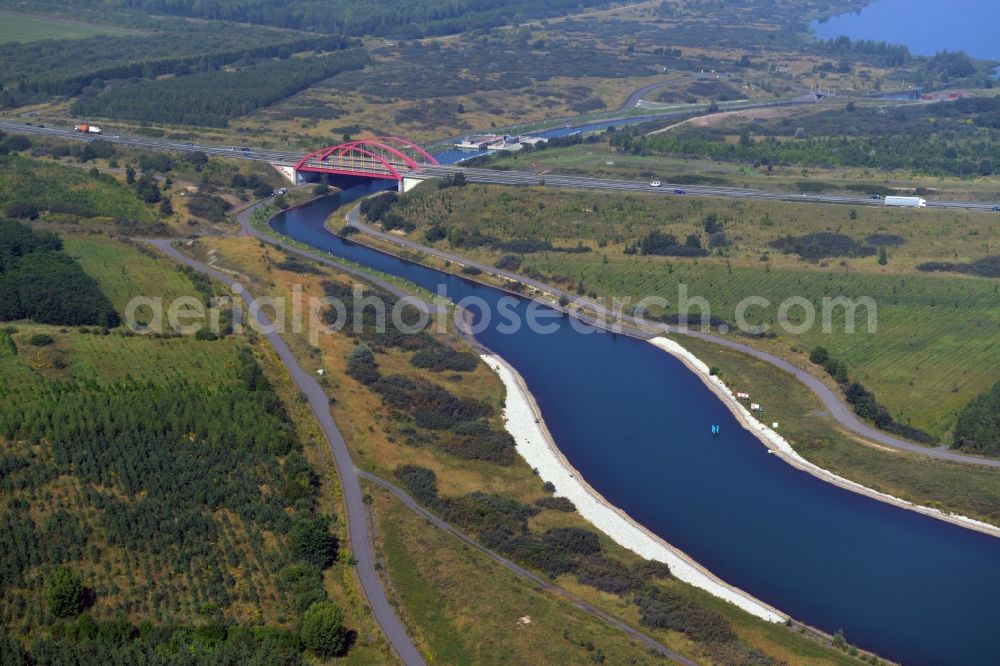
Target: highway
494,176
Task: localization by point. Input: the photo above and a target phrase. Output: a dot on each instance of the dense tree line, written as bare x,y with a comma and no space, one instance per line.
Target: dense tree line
417,19
937,157
212,98
86,642
978,426
73,66
862,400
39,282
949,138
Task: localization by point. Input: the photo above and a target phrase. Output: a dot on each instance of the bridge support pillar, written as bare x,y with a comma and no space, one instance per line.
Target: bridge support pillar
289,173
408,183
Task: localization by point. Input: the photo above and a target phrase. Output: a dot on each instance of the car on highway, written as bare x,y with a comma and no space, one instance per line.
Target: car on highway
996,209
245,149
680,191
876,197
654,183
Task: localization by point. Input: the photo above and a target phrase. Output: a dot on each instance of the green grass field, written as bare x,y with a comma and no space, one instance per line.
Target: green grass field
933,348
124,273
17,27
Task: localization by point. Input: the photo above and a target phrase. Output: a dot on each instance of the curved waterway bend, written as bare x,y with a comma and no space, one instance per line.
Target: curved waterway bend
635,422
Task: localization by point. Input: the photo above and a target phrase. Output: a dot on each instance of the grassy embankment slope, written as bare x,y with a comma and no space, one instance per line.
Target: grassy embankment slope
440,583
931,352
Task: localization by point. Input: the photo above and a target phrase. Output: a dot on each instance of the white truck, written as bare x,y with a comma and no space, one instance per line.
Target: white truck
90,129
906,202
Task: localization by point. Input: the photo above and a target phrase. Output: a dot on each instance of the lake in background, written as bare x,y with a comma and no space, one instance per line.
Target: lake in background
925,26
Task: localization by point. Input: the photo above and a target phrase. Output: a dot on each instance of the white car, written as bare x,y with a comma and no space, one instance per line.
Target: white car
654,183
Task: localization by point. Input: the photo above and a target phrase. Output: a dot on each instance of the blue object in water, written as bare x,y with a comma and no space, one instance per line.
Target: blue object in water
715,430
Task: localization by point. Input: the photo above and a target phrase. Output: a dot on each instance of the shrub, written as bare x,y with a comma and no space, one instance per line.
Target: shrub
494,447
435,233
65,593
978,424
312,541
819,356
323,629
556,504
41,340
420,482
440,358
822,245
657,243
671,610
508,262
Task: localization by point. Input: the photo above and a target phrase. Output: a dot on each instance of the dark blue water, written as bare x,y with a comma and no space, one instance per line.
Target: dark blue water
925,26
635,422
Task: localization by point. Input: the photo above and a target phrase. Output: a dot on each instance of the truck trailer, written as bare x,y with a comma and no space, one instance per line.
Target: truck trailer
906,202
90,129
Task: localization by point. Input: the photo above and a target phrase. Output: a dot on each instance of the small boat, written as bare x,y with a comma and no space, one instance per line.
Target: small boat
715,430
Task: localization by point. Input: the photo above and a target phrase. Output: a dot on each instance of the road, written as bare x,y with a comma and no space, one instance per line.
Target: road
832,401
357,525
517,178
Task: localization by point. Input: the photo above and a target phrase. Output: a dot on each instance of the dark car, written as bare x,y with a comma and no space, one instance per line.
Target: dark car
680,191
996,209
876,197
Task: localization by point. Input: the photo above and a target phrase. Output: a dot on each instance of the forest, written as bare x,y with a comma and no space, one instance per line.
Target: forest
211,98
69,67
39,282
957,138
343,17
212,493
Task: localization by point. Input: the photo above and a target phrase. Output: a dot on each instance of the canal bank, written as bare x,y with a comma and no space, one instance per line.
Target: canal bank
632,421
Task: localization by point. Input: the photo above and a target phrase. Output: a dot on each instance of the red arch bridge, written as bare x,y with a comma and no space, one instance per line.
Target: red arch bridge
388,157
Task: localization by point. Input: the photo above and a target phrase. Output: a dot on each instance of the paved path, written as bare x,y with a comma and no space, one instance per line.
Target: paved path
357,525
322,408
838,408
520,571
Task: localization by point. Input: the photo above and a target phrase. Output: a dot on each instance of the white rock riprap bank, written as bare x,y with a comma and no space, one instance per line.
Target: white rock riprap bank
524,422
780,446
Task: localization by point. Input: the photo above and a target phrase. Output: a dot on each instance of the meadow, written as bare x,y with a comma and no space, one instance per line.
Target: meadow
17,27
